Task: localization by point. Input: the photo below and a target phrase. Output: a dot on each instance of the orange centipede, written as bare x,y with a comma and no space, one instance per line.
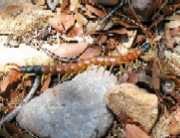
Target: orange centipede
100,61
65,68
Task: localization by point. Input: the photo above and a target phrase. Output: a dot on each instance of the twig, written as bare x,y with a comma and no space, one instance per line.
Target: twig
113,11
12,114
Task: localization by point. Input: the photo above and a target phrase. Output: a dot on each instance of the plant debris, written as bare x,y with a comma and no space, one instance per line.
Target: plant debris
137,41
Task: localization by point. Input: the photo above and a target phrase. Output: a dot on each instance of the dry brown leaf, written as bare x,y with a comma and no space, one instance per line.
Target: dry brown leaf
14,130
168,124
174,127
46,83
65,5
102,39
133,77
133,131
121,31
15,99
68,49
172,31
77,30
75,4
62,22
112,43
12,77
105,2
170,35
95,11
91,52
81,19
140,40
39,2
156,74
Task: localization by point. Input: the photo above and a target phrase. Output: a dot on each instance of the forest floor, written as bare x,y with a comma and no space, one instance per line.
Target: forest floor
90,69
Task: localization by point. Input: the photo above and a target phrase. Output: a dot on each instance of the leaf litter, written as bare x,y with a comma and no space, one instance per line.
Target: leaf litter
88,29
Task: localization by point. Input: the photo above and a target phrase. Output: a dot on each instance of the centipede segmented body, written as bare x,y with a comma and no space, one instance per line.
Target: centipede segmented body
81,64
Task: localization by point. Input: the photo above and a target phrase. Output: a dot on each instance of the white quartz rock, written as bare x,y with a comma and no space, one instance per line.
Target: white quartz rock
73,109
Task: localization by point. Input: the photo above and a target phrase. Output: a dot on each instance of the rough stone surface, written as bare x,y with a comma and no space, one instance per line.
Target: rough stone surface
4,3
134,102
169,124
74,109
19,19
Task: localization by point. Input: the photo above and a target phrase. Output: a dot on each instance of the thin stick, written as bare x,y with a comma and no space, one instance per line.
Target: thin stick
12,114
113,11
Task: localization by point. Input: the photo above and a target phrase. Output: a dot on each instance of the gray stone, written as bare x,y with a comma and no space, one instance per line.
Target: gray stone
73,109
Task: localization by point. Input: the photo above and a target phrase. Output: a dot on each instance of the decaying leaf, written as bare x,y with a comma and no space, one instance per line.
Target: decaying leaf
88,29
168,124
62,22
74,5
156,70
95,11
15,98
173,62
133,131
46,82
172,32
12,77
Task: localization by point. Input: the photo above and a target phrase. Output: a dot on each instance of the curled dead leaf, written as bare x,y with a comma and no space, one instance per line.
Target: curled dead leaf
133,131
12,77
174,127
62,22
95,11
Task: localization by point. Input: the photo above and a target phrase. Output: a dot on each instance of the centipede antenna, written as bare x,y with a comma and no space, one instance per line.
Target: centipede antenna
113,11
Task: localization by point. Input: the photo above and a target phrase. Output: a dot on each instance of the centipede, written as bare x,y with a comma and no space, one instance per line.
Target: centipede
82,64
